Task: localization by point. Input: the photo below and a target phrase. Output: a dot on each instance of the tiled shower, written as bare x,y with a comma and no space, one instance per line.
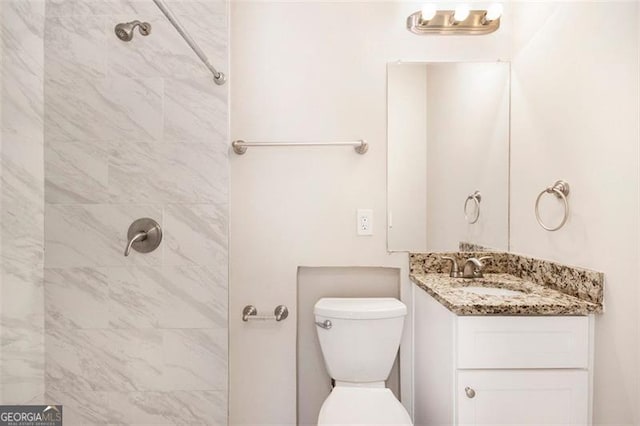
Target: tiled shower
97,133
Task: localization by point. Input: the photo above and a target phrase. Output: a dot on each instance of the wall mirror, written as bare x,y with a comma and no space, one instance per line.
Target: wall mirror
448,155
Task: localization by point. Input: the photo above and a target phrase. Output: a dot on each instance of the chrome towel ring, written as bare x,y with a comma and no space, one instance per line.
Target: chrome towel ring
561,190
476,197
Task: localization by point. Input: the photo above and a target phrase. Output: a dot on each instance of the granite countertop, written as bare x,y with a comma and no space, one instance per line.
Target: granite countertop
549,288
536,300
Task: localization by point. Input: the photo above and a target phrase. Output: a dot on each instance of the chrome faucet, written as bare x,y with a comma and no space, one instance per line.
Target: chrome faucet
472,268
455,270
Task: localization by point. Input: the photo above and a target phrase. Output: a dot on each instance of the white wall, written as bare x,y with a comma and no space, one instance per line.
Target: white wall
308,71
316,70
575,117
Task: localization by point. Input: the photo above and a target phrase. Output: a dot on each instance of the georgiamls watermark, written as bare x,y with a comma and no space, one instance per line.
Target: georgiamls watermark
30,415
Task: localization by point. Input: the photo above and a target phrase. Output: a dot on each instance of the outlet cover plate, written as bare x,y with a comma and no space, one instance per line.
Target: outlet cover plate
364,222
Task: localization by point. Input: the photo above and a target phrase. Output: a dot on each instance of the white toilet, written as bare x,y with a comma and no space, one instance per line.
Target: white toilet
360,339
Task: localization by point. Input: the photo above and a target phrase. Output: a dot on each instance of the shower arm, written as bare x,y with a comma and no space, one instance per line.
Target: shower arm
218,77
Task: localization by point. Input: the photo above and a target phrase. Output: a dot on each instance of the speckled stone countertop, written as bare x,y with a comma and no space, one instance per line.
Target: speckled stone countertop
549,288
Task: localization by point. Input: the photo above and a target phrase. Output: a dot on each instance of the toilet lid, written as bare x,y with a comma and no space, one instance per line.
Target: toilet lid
362,406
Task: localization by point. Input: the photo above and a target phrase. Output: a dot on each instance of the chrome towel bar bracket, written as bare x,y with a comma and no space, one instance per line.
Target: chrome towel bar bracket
250,313
561,190
240,146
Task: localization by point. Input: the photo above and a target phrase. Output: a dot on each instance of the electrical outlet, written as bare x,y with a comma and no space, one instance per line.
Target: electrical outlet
365,222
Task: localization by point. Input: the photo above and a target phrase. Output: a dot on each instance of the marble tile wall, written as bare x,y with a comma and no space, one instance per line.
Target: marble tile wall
21,202
133,130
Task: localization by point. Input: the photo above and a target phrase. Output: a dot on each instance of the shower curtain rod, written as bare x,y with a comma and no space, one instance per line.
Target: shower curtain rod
218,77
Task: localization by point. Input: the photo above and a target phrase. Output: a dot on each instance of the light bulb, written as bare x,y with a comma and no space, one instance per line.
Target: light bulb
461,13
494,12
428,11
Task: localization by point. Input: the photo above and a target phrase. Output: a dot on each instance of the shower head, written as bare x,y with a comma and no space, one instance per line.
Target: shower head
124,31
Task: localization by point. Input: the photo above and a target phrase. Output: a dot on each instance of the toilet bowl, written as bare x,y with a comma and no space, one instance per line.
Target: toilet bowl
359,338
362,406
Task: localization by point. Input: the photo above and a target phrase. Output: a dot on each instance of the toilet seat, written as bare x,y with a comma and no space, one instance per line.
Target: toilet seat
362,406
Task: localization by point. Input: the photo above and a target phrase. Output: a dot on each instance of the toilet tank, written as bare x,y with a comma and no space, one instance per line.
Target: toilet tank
363,340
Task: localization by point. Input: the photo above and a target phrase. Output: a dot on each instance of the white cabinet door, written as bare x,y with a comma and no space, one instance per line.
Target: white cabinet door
522,397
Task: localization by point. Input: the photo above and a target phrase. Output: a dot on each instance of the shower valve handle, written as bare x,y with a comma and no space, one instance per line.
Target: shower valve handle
140,236
144,236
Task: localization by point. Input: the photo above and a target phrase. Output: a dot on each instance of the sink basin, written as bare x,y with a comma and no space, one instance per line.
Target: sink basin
491,291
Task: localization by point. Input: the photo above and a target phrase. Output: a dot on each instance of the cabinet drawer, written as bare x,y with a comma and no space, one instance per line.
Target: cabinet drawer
522,342
519,397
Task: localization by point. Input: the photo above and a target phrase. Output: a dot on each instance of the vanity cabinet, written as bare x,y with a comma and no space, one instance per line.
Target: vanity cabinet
491,370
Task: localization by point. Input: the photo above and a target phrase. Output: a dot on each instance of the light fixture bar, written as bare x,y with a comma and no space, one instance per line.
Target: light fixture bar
444,23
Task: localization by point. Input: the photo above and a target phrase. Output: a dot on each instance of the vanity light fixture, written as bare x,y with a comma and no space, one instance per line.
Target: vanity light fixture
461,21
461,13
494,12
428,12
